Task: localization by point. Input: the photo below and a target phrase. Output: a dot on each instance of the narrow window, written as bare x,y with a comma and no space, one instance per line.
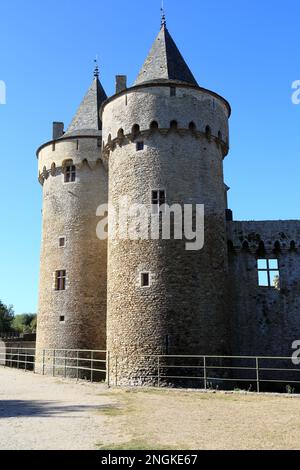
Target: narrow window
62,319
60,280
62,242
192,126
173,91
208,132
145,279
70,174
268,272
139,146
158,199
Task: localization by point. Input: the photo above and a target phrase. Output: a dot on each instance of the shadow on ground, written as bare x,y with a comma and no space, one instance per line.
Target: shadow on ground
43,409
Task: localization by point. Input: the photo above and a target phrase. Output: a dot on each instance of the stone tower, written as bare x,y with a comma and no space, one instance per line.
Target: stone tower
73,271
165,138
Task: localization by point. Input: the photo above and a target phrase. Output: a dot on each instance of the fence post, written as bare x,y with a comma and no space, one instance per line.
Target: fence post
65,363
107,368
158,371
18,360
25,360
77,366
204,372
44,353
257,375
92,366
53,363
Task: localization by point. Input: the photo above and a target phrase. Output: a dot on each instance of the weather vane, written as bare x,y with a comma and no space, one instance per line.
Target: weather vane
163,15
96,70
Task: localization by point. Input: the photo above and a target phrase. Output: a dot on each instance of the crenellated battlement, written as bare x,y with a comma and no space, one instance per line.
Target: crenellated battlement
56,154
122,139
259,237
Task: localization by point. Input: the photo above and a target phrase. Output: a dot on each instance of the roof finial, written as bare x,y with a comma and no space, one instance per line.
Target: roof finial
96,70
163,15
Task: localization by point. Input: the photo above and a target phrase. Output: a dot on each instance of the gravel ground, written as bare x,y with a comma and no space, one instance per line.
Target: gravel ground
48,413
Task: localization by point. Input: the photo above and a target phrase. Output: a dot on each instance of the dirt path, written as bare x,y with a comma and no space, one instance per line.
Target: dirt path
48,413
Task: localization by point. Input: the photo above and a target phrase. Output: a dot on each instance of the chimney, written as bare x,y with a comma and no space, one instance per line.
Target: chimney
121,83
58,130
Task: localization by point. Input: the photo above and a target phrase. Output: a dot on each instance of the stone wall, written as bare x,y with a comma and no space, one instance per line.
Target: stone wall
69,210
264,320
184,309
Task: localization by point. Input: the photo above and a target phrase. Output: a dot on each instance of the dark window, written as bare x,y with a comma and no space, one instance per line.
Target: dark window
62,241
60,280
70,174
62,319
173,91
145,279
158,199
154,125
208,132
139,146
268,272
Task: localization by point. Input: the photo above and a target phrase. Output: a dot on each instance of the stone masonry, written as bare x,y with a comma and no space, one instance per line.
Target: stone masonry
164,133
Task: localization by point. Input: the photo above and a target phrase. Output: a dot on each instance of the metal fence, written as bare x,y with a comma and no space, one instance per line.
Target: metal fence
209,372
182,371
77,363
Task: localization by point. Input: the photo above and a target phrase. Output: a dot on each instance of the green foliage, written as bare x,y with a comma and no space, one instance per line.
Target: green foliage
6,317
25,323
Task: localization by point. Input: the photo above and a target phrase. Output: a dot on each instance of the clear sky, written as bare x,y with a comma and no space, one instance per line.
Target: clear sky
245,50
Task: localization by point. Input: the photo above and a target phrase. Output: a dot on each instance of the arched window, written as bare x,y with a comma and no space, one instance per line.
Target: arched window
174,125
261,251
120,134
53,169
208,132
154,125
192,126
220,137
293,245
135,130
277,246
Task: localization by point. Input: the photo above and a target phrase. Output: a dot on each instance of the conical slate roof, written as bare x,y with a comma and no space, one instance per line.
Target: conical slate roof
165,62
87,119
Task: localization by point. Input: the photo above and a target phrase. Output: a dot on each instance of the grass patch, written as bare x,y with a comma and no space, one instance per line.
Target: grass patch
111,410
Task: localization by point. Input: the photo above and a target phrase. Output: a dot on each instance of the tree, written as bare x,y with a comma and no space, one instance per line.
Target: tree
6,317
25,323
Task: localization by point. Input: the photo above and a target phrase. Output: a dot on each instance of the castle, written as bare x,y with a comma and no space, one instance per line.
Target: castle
163,140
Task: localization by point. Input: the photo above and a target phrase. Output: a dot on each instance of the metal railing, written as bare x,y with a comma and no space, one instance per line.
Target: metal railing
10,335
77,363
253,373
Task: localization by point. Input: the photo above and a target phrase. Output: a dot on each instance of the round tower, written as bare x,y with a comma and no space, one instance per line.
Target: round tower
73,270
165,140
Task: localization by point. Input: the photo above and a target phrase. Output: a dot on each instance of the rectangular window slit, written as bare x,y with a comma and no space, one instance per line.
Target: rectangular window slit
145,279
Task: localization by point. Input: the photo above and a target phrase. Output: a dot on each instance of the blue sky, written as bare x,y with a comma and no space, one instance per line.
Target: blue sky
246,50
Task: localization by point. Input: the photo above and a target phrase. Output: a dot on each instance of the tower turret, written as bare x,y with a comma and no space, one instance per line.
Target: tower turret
165,140
73,271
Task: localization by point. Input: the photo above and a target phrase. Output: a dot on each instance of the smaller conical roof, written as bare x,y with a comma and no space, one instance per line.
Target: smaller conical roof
165,62
87,118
